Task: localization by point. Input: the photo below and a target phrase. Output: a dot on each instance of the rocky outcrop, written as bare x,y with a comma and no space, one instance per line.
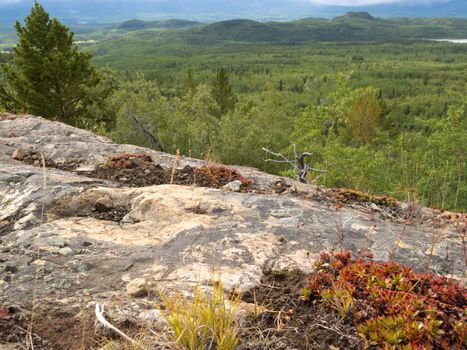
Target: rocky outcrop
84,238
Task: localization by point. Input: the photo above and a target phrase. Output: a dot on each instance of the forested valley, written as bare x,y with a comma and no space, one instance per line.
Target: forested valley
384,116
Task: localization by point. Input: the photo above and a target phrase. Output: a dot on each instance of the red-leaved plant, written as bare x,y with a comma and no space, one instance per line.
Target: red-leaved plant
392,306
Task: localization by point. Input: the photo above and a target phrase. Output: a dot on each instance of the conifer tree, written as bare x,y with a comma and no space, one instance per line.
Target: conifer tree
189,85
48,76
221,91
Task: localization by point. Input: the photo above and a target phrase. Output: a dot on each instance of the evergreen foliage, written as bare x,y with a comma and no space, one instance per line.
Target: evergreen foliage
189,85
222,93
48,76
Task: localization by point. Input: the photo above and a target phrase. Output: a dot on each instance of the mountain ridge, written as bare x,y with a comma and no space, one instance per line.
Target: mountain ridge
350,27
74,11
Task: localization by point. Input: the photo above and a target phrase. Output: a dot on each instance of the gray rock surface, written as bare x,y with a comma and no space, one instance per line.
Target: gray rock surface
54,230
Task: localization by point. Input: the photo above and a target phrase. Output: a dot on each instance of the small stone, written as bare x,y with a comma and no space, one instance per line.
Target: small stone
10,267
137,287
19,154
375,207
138,163
104,204
233,186
65,251
86,168
280,266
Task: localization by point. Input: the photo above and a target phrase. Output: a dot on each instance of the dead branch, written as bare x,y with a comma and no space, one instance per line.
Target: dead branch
154,140
298,163
107,324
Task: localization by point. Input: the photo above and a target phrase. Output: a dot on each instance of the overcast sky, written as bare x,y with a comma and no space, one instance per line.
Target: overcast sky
323,2
373,2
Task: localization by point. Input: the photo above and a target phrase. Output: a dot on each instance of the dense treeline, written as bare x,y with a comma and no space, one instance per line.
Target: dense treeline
393,122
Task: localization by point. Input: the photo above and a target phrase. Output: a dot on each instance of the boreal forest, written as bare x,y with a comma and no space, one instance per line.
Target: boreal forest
379,103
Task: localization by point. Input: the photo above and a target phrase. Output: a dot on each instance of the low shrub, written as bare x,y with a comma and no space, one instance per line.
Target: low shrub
392,306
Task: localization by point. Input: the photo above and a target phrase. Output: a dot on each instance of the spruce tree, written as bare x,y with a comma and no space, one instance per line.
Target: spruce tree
48,76
221,91
189,85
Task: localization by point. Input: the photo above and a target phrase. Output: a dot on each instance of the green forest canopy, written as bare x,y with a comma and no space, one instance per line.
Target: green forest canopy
395,125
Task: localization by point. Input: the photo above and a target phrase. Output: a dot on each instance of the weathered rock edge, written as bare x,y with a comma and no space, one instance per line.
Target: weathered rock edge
171,236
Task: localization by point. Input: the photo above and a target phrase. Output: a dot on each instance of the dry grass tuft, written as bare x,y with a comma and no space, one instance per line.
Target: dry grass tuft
208,322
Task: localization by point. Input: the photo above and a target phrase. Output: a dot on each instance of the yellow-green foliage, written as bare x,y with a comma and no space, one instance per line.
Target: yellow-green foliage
340,300
207,322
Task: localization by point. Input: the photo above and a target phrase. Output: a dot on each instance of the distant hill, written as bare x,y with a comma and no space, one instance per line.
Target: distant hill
358,15
137,24
239,30
351,27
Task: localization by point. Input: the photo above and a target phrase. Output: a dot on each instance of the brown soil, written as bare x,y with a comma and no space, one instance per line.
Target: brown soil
66,333
140,170
14,329
115,214
53,332
14,326
288,322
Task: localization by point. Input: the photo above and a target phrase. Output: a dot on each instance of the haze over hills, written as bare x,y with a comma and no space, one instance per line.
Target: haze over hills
138,24
115,11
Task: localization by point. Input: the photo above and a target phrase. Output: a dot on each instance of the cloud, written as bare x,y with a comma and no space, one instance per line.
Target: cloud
319,2
375,2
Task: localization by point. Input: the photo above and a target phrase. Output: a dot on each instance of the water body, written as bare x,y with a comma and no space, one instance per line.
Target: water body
455,41
85,42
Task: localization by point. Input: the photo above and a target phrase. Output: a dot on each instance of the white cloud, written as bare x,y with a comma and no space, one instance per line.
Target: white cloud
320,2
374,2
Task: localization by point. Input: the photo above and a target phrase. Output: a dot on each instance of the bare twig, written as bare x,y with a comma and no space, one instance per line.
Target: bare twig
397,243
153,139
105,323
174,166
298,163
